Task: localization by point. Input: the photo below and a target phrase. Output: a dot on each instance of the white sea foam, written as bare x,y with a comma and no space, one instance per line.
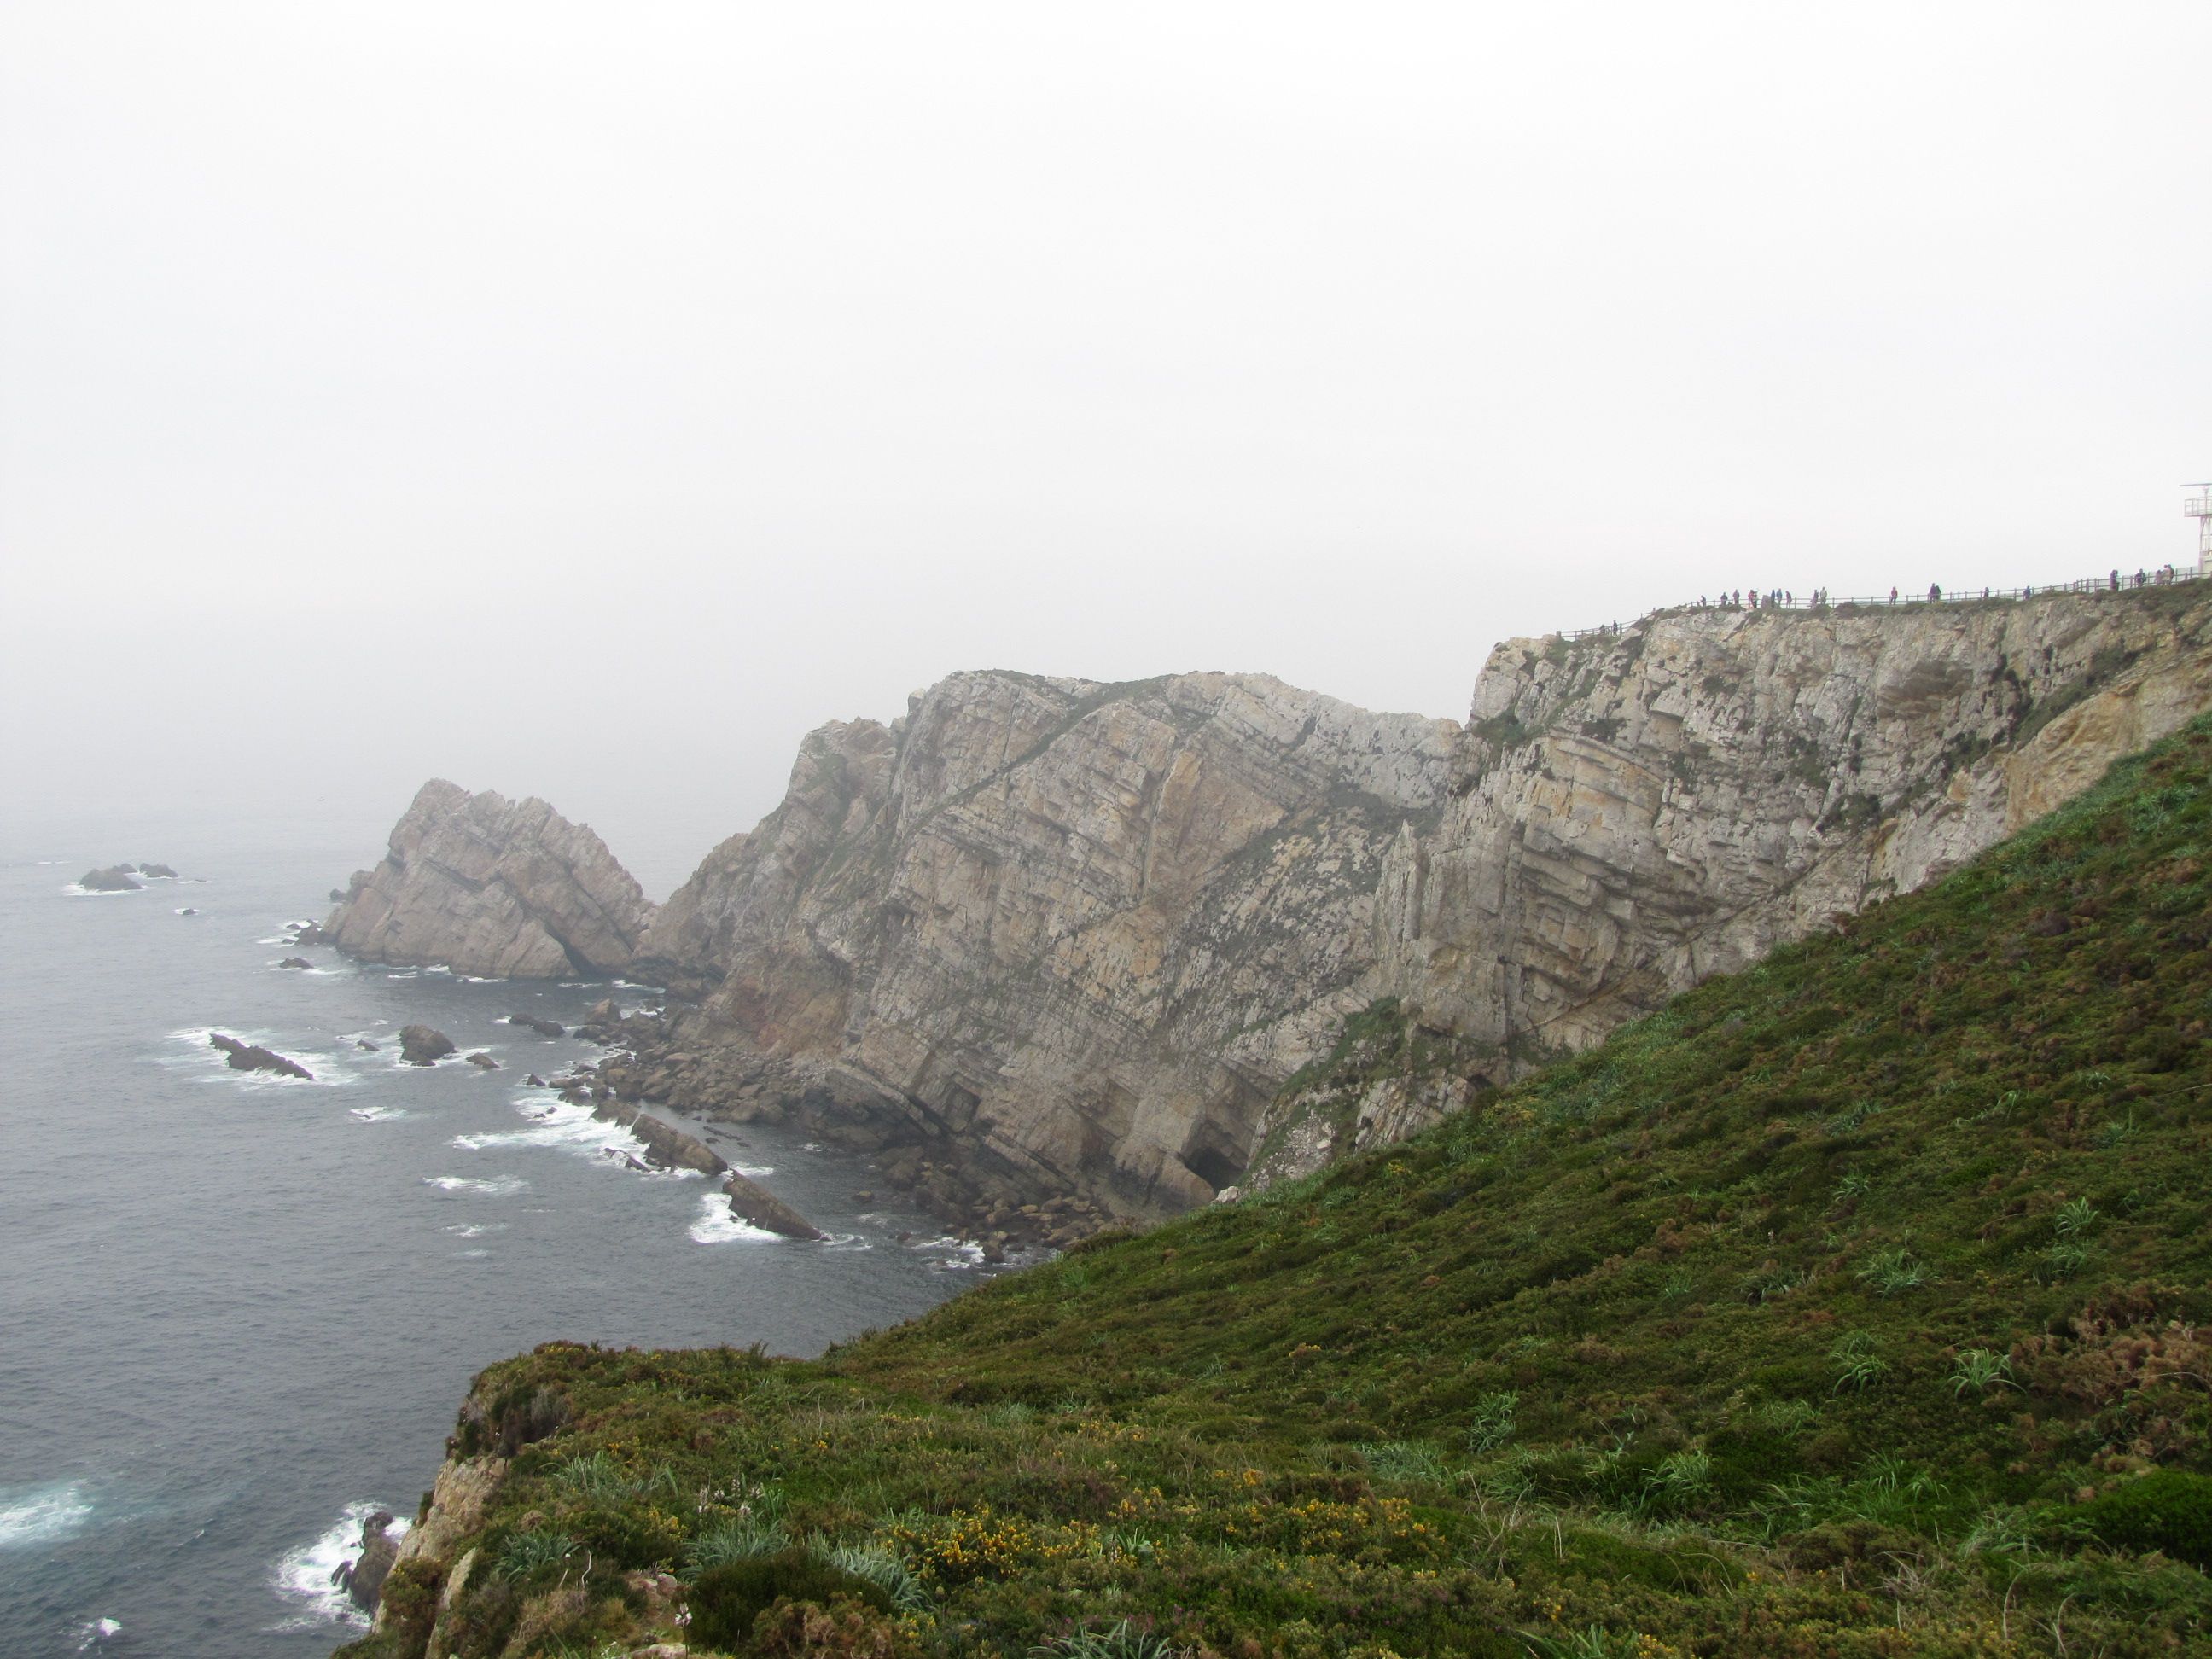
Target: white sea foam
470,1256
755,1172
494,1187
33,1515
956,1254
558,1123
476,1229
718,1223
93,1631
304,1574
75,891
380,1113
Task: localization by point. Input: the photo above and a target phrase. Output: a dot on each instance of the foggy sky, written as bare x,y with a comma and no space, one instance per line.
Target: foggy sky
587,400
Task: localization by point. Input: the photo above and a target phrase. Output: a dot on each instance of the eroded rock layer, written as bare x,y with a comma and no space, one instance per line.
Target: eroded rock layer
492,887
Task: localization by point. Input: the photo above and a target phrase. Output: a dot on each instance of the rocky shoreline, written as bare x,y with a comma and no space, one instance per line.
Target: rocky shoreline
656,1060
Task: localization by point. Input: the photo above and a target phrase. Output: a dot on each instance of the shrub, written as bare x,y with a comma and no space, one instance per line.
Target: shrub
737,1539
2170,1511
526,1554
2075,1217
1894,1272
1857,1362
725,1600
881,1568
1490,1425
1121,1640
1977,1369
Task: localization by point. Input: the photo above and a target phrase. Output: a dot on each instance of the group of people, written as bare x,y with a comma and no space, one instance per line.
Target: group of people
1735,600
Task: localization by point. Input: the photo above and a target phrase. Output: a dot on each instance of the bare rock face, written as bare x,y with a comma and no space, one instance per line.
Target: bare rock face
1079,930
1630,814
494,888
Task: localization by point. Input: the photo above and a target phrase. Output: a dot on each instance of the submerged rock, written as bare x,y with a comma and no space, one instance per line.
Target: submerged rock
253,1057
547,1028
421,1046
116,879
295,962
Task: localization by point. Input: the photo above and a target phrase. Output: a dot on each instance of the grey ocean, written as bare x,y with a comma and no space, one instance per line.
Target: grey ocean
236,1312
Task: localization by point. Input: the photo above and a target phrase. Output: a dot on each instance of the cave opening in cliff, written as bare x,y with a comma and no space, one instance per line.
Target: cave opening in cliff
1213,1166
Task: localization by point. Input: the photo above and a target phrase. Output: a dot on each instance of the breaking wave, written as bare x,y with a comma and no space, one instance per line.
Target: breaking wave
31,1516
303,1575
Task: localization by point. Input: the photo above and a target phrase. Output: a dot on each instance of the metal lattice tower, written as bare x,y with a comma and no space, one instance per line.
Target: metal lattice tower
2199,507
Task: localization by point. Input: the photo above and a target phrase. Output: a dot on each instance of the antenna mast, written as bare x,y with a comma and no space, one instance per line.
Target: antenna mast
2199,507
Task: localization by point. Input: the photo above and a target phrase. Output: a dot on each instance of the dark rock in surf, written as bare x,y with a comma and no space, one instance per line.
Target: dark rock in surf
753,1202
253,1057
362,1577
542,1027
295,962
116,879
158,871
534,1081
484,1061
421,1046
664,1144
365,1045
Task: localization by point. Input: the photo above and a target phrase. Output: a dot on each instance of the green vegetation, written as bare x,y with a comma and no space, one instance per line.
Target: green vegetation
1852,1305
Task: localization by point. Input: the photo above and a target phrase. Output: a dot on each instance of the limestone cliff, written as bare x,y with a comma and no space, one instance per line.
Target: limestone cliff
1630,813
1047,936
493,887
1078,931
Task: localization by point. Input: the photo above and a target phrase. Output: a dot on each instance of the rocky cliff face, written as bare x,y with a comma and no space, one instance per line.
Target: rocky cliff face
1628,814
1082,930
1045,936
492,887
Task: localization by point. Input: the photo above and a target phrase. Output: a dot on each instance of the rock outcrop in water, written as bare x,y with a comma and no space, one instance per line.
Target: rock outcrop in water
421,1046
1048,937
115,879
253,1057
362,1577
494,888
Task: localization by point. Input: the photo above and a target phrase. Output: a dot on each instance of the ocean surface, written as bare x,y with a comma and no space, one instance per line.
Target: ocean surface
238,1312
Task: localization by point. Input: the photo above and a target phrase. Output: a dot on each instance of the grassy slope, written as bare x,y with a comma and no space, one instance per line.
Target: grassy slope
1799,1318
